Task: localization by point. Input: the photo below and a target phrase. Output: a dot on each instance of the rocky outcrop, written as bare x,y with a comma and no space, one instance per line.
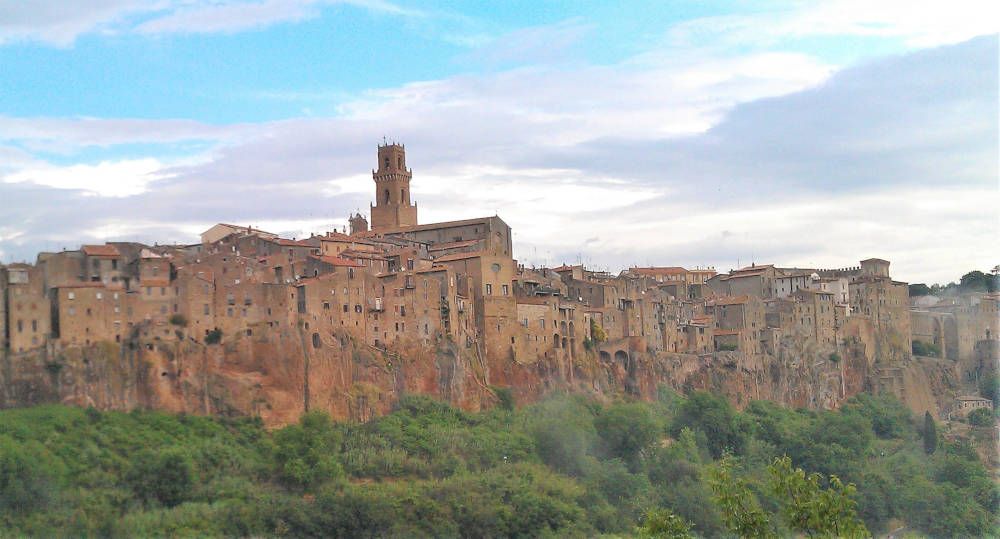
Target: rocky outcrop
280,374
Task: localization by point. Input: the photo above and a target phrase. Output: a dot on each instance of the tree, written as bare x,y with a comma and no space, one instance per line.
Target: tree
981,417
919,289
989,388
663,524
626,429
166,476
930,434
741,512
977,281
716,417
810,509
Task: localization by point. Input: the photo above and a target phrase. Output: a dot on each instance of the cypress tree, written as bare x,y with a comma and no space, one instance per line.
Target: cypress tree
930,434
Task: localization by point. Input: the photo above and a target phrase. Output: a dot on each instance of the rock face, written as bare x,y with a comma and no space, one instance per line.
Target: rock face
281,374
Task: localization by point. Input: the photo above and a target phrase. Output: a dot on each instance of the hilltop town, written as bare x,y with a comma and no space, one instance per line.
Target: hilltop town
247,322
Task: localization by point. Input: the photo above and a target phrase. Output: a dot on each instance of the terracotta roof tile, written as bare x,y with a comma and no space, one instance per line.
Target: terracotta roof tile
100,250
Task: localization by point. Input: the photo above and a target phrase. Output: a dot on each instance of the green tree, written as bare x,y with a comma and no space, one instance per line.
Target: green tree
919,289
989,388
306,454
930,434
981,417
625,430
808,508
166,476
741,512
663,524
716,417
977,281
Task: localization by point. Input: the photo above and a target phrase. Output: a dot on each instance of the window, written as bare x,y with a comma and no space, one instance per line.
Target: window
489,289
409,263
386,162
506,289
114,264
34,325
71,295
20,326
100,296
204,309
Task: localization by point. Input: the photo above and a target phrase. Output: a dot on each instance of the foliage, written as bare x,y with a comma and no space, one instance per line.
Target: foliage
977,281
812,510
214,336
741,510
728,347
981,417
921,348
716,417
919,289
929,434
989,388
663,524
179,320
566,466
505,397
597,332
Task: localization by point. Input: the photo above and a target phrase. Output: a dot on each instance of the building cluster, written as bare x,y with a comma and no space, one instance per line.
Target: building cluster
399,283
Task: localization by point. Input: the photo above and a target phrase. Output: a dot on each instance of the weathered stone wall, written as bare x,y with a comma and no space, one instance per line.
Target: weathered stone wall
279,374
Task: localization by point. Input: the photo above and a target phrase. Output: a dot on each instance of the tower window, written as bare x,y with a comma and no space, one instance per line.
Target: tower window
399,162
386,196
386,162
402,196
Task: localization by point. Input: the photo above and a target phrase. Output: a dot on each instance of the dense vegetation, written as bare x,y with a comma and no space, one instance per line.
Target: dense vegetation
974,281
566,466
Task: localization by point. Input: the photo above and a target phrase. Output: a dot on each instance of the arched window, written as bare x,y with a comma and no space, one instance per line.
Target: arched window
399,162
386,196
386,162
402,196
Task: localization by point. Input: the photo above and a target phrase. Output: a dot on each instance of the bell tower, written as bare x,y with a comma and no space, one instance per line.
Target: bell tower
392,208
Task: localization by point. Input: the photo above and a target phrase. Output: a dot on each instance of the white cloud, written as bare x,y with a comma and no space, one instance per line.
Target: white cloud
60,23
916,23
106,179
660,159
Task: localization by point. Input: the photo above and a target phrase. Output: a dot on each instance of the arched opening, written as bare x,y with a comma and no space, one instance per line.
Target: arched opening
605,356
622,358
564,342
386,196
402,196
316,341
555,340
572,330
562,326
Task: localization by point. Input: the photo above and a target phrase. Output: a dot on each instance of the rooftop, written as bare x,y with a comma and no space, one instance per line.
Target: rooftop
100,250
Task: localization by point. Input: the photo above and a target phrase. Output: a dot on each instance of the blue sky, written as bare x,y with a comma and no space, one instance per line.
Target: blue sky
674,133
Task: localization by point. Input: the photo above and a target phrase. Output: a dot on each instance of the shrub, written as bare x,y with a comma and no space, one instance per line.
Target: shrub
179,320
214,336
981,417
921,348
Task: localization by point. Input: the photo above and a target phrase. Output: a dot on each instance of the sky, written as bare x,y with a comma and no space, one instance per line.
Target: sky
799,133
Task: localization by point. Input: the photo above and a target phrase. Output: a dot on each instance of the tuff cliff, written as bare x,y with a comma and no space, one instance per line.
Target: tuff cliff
278,375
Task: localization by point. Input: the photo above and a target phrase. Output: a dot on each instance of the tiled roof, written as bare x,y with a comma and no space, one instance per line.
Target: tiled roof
458,256
730,300
670,270
293,243
337,261
726,332
100,250
452,245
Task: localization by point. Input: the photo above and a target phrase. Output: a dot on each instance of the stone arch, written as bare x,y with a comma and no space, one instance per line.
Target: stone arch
622,357
555,340
604,356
